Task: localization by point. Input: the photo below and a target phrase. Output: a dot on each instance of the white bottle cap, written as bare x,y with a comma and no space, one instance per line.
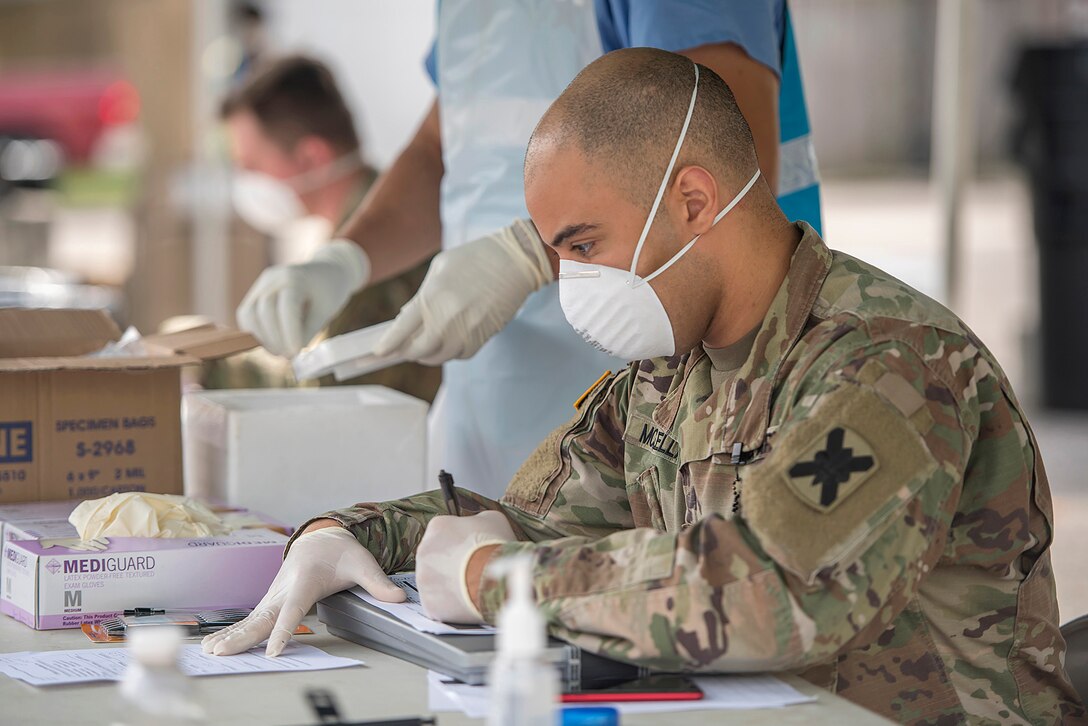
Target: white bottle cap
155,645
522,633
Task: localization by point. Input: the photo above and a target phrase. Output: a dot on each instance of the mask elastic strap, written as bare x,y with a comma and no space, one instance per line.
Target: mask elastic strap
665,181
335,170
717,218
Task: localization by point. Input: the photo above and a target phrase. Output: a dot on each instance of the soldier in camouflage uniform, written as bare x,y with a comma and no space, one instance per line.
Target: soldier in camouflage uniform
851,492
289,102
862,501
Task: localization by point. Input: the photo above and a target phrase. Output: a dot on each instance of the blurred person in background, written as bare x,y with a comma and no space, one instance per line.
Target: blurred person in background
249,23
457,187
299,161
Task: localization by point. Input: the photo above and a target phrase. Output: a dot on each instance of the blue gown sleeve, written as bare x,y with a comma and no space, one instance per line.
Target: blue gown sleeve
676,25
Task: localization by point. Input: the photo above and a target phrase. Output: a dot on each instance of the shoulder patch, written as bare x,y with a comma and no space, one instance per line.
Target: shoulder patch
834,481
831,467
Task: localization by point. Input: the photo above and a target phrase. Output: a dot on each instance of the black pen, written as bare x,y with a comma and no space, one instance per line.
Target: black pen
445,480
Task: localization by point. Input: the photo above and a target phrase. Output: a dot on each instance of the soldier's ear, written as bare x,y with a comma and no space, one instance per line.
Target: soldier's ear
695,197
314,152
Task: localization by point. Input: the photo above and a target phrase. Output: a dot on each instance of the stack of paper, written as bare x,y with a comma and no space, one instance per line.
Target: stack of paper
411,611
720,693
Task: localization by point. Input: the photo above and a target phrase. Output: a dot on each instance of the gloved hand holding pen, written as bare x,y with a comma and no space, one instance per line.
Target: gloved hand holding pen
442,562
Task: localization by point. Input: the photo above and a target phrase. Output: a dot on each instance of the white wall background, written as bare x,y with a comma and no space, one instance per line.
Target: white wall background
376,49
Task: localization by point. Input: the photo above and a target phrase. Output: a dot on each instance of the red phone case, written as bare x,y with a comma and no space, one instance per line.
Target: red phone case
605,697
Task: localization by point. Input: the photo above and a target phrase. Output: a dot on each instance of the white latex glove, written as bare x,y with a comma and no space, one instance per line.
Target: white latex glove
470,293
289,304
442,558
319,563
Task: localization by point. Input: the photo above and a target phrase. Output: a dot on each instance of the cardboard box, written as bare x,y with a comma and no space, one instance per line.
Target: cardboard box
295,453
74,427
56,587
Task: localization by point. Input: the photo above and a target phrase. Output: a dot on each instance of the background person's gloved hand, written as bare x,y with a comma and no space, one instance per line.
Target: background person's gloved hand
319,563
289,304
442,558
470,293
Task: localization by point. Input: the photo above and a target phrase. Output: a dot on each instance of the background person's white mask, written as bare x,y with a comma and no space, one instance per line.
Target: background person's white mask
269,204
264,202
617,311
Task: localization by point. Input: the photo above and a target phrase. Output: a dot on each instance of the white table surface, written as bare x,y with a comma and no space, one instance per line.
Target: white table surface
385,687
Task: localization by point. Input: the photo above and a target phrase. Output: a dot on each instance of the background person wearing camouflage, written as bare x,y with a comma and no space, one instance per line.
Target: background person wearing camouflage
290,122
833,478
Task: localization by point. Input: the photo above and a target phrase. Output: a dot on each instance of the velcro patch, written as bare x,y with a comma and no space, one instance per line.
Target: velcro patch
835,502
831,467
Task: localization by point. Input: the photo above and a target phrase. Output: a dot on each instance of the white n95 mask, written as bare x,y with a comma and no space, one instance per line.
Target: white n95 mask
617,311
264,202
269,204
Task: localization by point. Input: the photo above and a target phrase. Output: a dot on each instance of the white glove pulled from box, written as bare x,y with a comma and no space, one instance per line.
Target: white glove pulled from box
289,304
470,293
319,563
142,514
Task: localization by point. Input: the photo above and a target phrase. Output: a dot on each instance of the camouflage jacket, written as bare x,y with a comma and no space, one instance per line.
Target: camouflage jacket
862,503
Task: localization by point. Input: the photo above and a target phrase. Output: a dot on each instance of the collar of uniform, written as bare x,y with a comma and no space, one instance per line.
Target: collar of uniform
750,391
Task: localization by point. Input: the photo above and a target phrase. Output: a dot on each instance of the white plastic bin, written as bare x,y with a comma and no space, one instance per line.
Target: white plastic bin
295,453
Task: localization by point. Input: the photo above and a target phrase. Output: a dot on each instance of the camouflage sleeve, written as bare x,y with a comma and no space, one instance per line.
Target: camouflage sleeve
391,530
577,472
838,524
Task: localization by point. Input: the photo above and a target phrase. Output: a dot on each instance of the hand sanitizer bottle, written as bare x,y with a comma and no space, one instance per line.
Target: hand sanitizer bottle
153,688
524,687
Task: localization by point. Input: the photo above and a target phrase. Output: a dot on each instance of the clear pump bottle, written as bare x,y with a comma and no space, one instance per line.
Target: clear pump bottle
524,686
153,689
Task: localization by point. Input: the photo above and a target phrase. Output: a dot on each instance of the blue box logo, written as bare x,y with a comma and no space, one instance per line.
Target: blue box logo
16,442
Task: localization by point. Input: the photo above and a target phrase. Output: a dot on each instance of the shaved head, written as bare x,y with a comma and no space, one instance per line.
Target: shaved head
593,168
625,111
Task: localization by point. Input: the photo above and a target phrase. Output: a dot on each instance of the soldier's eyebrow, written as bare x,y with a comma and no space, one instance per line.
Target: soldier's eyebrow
571,230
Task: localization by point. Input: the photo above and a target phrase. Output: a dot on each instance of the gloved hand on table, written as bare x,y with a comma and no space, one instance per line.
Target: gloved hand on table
289,304
442,558
469,294
320,562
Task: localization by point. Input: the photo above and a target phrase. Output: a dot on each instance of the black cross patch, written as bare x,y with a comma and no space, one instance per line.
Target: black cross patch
833,466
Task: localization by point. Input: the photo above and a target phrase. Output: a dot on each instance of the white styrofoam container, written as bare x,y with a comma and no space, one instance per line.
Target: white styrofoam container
295,453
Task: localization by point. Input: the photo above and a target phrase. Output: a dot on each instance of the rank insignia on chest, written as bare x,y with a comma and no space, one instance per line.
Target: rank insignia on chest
830,468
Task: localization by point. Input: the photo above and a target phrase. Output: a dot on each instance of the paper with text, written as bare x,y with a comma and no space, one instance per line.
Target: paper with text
59,667
411,611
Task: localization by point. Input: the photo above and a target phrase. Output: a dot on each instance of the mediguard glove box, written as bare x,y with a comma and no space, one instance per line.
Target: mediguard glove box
295,453
77,426
50,587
